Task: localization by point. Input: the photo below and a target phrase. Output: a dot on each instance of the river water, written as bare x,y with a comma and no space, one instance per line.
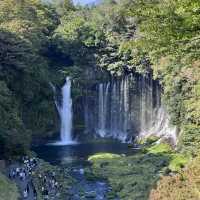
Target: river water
75,157
78,153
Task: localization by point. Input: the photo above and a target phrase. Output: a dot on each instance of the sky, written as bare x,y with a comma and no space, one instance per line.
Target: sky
81,2
84,2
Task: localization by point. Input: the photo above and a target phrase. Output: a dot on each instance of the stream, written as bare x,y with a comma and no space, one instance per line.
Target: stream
75,156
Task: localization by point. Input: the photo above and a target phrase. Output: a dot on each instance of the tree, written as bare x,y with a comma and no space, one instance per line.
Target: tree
25,94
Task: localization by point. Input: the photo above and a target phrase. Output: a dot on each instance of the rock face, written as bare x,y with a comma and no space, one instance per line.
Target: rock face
126,107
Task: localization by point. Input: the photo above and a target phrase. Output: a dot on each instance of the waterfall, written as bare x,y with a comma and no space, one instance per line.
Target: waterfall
103,104
161,126
102,110
155,120
65,112
131,106
113,109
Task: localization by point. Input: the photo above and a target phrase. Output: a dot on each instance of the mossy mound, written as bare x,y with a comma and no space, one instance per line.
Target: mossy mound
160,148
8,190
103,156
148,140
178,161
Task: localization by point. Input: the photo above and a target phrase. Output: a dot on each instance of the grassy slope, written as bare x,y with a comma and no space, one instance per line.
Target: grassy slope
8,190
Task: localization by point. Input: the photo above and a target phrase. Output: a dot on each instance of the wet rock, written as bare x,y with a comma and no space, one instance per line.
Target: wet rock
111,195
101,183
81,171
91,194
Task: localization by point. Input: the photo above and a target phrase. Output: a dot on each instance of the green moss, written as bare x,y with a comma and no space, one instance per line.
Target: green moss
152,139
111,195
90,176
8,190
103,156
178,161
148,140
160,148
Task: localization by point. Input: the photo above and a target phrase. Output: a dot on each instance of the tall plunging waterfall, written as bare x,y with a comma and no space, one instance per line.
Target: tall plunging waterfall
65,112
129,106
103,101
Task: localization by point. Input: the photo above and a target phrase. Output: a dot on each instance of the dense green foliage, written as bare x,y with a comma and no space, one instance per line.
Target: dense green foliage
42,43
39,40
96,34
184,185
124,36
142,36
169,36
26,99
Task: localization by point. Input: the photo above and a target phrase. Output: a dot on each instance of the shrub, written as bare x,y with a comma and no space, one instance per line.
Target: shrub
181,186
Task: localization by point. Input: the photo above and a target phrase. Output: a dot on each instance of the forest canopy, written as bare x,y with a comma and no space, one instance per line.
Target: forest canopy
42,42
